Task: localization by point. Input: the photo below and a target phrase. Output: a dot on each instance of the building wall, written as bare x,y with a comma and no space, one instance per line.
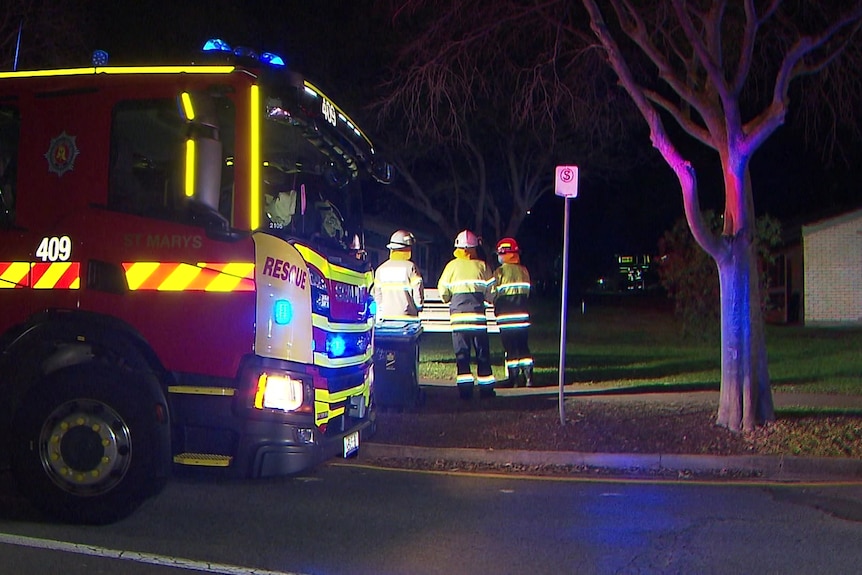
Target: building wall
833,270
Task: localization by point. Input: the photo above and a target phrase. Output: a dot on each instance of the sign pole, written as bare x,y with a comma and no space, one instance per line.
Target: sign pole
566,185
564,311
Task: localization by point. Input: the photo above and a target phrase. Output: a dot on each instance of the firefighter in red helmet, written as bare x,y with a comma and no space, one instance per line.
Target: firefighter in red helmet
512,289
466,284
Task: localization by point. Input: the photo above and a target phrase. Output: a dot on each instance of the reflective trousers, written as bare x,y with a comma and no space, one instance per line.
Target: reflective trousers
463,342
515,343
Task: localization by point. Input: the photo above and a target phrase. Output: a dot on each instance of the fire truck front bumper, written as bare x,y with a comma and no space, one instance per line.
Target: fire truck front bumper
292,450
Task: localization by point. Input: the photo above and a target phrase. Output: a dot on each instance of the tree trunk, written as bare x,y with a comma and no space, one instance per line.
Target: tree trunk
745,397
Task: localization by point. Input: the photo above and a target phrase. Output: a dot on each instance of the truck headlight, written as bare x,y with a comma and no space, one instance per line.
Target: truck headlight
278,391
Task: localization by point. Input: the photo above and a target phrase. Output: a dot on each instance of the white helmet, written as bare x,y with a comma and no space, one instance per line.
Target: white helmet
466,239
400,240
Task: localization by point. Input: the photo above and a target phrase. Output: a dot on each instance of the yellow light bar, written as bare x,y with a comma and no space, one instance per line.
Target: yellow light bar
166,70
188,108
254,124
190,168
120,70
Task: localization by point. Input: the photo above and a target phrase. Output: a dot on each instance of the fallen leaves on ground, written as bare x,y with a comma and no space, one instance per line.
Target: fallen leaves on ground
610,425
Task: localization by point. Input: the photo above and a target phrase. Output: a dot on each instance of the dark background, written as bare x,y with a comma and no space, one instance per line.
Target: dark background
345,47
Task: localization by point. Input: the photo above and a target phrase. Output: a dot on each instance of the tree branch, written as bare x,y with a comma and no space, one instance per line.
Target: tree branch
660,140
792,66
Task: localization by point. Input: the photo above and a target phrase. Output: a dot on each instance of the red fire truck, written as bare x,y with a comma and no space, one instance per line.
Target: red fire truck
182,277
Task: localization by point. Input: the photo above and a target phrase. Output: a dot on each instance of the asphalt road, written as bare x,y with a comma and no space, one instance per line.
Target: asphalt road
357,520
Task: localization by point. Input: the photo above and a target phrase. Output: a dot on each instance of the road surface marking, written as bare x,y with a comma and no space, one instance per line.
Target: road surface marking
148,558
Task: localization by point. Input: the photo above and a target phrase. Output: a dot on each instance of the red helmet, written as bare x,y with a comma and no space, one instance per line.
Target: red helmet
508,246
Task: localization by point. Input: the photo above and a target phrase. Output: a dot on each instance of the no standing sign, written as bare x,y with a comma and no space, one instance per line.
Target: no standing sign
566,182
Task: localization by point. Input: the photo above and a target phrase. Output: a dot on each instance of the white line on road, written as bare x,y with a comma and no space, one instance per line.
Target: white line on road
148,558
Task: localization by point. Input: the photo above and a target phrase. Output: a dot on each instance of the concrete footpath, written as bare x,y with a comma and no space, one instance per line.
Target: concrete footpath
765,467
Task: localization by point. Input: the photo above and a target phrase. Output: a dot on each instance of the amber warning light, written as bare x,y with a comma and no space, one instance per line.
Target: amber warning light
566,182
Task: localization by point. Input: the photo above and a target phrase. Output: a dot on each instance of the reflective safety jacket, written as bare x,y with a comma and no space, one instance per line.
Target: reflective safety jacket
512,289
466,284
512,286
398,290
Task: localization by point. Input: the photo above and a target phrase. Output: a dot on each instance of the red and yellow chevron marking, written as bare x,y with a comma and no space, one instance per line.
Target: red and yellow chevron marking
40,275
178,276
55,275
14,274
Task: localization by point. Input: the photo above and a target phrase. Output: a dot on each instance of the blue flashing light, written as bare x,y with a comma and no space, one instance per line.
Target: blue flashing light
272,59
216,45
337,346
244,52
100,58
282,312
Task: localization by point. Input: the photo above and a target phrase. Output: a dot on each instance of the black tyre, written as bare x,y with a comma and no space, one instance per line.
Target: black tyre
88,444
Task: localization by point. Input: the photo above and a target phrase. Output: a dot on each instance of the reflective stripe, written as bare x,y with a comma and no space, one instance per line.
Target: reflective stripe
40,275
512,325
469,327
463,321
178,276
523,362
512,320
514,288
486,380
14,274
464,379
518,320
469,286
56,275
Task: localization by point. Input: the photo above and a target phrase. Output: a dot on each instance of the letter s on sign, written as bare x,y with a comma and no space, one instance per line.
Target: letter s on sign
54,249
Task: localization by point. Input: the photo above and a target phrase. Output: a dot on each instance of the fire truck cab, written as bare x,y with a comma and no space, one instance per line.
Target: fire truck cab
182,278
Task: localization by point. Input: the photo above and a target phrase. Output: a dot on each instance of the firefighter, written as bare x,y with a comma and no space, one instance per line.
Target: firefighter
511,291
398,287
466,284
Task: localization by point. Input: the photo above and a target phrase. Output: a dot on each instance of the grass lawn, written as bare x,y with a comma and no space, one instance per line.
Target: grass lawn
628,345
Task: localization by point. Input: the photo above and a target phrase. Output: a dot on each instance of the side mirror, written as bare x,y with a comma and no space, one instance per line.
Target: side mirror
208,171
382,171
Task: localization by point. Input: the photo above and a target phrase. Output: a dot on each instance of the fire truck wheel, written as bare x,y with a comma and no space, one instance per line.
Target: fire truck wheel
85,444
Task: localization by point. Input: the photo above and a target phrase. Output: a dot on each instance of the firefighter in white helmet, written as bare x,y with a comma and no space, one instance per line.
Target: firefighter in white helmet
466,284
512,289
398,287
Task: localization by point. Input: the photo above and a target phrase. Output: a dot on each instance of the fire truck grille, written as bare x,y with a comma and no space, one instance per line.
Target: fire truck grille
340,424
339,380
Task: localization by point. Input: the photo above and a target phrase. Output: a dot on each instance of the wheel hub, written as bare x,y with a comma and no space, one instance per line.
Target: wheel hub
85,445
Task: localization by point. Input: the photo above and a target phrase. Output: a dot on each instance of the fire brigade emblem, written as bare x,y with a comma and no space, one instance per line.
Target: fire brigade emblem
61,154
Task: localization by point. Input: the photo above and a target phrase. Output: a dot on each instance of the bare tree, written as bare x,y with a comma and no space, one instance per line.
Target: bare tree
708,62
500,100
41,33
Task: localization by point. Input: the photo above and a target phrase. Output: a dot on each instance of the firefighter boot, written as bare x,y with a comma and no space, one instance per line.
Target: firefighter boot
516,376
486,391
465,390
528,372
